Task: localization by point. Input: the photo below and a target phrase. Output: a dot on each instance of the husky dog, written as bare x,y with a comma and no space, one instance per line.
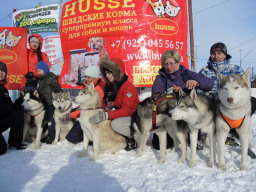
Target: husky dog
63,106
35,119
142,124
198,111
105,140
234,111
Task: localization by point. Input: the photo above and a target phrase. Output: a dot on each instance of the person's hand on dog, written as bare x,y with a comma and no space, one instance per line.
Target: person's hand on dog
176,88
65,117
191,84
98,117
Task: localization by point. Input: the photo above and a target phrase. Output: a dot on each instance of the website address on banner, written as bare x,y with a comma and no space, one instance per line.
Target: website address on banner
150,43
145,56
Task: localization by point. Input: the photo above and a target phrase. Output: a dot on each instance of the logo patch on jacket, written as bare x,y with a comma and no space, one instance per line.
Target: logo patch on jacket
129,94
6,95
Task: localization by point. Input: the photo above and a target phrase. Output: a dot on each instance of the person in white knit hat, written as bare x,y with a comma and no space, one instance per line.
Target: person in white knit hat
91,74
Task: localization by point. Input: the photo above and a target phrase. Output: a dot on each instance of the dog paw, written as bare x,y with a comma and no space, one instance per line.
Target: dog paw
192,164
162,160
181,160
81,155
55,142
93,158
37,147
243,167
139,154
223,167
211,164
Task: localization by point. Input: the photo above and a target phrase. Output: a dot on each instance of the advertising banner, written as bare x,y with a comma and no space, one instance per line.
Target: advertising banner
52,47
137,32
38,20
13,52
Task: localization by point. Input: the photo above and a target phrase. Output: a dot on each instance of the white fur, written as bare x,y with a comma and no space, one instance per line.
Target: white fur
33,108
63,106
105,140
199,118
234,103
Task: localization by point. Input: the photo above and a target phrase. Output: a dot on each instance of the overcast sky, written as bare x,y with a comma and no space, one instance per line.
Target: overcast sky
230,21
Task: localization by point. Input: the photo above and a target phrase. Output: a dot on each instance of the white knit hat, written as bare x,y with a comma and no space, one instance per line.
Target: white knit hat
92,71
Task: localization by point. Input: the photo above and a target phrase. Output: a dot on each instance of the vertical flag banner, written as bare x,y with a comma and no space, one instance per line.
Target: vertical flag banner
52,47
137,32
13,52
38,20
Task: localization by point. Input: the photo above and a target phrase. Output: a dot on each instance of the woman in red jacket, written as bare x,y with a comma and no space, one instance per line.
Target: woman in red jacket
120,100
35,54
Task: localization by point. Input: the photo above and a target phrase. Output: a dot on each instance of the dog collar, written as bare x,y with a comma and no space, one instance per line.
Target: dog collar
233,123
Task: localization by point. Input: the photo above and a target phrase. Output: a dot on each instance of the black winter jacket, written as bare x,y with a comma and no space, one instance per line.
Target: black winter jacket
47,85
6,104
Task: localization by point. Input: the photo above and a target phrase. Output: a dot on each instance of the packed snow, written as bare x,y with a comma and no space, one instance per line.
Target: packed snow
56,168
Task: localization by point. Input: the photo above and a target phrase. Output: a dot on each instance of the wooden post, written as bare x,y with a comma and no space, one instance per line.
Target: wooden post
191,33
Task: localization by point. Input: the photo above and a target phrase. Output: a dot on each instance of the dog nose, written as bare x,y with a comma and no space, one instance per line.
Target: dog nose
170,114
230,99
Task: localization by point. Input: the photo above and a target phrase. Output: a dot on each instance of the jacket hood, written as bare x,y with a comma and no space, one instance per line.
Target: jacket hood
115,66
39,37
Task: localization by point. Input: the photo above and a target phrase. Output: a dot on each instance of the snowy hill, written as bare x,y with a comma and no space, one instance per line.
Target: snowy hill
55,168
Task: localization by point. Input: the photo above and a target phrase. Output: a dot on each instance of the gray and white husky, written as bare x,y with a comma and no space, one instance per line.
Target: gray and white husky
63,106
35,119
234,111
198,111
142,124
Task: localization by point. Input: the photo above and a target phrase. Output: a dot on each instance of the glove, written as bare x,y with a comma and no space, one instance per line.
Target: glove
65,117
98,117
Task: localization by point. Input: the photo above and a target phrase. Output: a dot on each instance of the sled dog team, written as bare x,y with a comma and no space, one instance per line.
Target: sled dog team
181,105
178,116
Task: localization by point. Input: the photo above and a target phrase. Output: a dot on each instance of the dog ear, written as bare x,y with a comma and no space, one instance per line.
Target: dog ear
220,76
36,93
246,77
67,95
181,93
89,43
150,2
54,96
193,95
22,93
91,87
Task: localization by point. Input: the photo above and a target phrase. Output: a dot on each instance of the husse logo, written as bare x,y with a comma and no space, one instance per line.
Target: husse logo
164,25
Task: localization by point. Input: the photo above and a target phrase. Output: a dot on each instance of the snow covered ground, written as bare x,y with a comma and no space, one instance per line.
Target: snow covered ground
56,168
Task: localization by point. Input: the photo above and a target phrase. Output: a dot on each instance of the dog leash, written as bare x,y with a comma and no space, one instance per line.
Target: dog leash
154,111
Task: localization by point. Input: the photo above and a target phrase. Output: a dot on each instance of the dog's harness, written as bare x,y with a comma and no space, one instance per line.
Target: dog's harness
154,111
233,123
32,119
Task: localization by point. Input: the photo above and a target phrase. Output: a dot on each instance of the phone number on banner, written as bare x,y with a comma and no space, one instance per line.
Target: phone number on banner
158,43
